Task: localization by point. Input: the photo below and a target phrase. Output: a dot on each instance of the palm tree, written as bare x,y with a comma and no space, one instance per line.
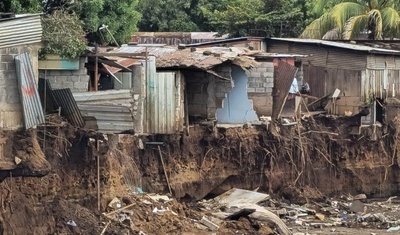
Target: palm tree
379,18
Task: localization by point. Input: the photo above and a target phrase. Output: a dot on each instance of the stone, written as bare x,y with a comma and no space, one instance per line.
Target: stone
320,216
209,224
358,207
360,197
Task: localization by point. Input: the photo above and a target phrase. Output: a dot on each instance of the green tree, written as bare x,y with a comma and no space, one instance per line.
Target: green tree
167,15
63,35
120,17
258,18
21,6
380,19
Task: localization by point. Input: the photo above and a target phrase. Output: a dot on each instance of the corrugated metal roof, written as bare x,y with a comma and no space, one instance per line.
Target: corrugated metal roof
155,51
32,108
21,30
112,109
202,58
69,108
349,46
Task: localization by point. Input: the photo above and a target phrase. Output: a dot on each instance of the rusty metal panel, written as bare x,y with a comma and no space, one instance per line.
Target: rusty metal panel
21,30
315,77
164,103
31,106
69,108
283,78
112,109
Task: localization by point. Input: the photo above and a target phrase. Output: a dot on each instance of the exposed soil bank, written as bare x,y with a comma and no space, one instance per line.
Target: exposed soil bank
57,177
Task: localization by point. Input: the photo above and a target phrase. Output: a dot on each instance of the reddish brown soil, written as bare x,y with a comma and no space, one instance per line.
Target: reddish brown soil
56,180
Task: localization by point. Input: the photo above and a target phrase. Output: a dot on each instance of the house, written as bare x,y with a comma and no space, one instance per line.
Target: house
365,76
20,40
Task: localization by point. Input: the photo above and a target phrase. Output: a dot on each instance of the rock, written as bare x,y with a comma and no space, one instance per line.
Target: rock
320,216
358,207
360,197
209,224
17,160
394,229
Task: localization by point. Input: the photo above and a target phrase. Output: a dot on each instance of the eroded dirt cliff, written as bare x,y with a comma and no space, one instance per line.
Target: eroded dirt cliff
50,179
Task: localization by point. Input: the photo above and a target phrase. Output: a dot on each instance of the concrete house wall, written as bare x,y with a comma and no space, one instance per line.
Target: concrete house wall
77,80
11,116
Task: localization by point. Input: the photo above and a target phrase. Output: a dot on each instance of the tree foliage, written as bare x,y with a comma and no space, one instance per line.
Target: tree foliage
380,19
63,35
259,18
120,16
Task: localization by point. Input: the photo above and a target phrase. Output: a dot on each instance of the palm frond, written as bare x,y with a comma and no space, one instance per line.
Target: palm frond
342,12
386,3
318,27
354,26
375,23
391,22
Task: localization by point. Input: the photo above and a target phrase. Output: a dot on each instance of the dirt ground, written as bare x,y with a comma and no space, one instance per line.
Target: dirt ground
49,176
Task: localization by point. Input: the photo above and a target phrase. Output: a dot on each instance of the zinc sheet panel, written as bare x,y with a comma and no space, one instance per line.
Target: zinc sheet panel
20,31
69,108
110,118
163,91
102,97
31,105
315,77
283,79
154,51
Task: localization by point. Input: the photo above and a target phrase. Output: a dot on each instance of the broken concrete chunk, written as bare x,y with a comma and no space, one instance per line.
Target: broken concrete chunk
360,197
320,216
209,224
17,160
115,203
358,207
159,198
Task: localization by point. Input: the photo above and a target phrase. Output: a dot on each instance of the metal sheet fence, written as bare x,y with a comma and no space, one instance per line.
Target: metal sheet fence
69,108
31,105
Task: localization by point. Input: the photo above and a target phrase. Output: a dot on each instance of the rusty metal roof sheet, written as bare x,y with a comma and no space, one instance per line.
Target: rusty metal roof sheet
343,45
31,105
20,30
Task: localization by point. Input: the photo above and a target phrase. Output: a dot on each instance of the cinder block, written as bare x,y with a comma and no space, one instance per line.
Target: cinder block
67,85
270,80
262,69
73,78
250,89
269,84
260,90
11,83
270,70
84,78
255,74
3,66
10,75
268,74
54,73
81,85
268,90
12,95
6,58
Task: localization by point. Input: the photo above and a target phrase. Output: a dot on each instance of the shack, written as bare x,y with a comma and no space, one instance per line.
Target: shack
19,35
365,76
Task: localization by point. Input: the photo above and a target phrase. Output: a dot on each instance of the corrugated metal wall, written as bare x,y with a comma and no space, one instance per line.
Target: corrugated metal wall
112,109
32,108
381,83
322,56
69,108
164,103
22,30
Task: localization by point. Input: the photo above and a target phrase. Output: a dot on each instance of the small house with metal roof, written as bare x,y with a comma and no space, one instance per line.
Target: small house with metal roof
364,75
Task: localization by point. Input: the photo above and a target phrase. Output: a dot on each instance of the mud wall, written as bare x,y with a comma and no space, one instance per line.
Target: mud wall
279,161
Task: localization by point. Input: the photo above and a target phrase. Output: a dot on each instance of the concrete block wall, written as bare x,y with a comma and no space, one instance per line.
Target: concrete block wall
206,92
222,87
76,80
261,79
259,87
197,93
11,116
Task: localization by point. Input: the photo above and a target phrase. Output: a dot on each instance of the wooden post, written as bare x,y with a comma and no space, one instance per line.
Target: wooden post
165,172
98,174
96,71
